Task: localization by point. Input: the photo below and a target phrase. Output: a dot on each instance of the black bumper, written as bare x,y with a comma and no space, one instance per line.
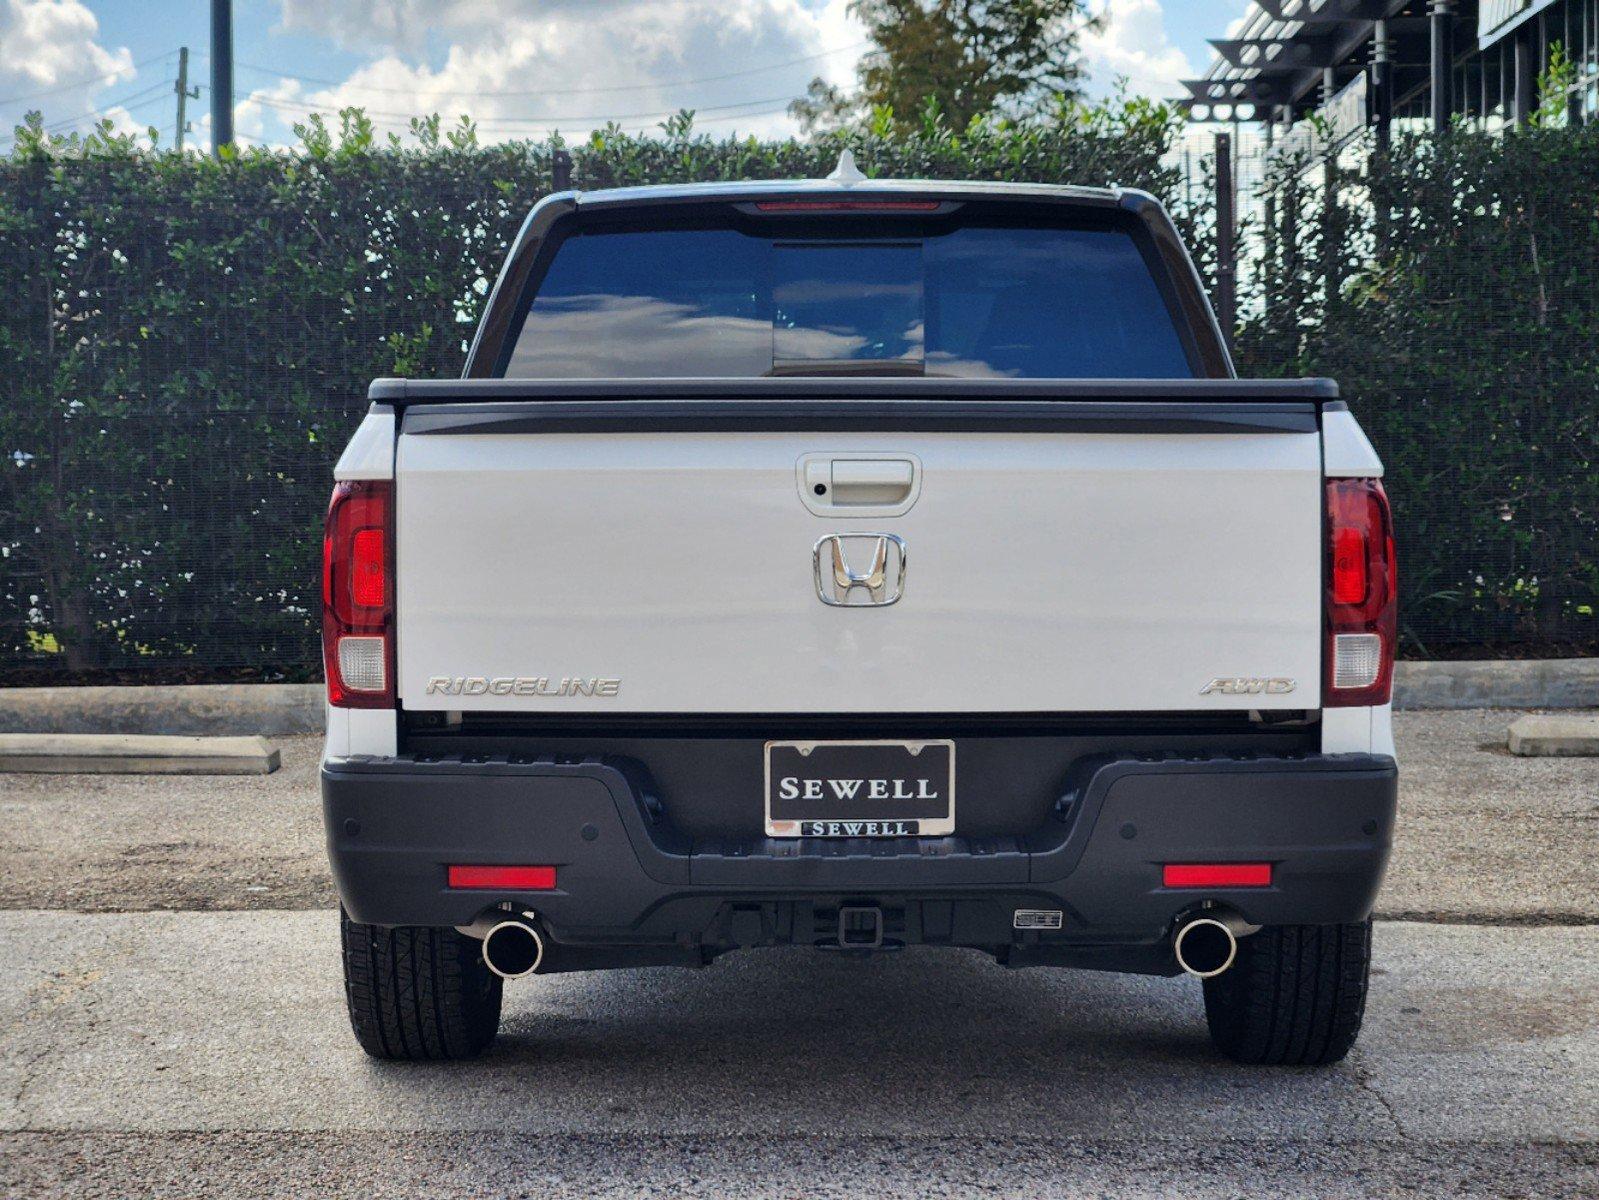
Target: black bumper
628,881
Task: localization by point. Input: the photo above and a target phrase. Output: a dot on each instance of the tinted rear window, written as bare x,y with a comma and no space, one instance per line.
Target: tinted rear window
975,301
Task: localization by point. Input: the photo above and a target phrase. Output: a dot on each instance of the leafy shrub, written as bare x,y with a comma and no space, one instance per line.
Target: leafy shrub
187,345
1452,287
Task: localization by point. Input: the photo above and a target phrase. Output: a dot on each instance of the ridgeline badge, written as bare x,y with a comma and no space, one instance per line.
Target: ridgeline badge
520,685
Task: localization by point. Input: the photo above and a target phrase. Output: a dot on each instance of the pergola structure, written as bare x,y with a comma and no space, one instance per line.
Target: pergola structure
1362,63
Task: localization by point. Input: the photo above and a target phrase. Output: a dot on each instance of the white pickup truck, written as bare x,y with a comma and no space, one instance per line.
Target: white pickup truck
857,564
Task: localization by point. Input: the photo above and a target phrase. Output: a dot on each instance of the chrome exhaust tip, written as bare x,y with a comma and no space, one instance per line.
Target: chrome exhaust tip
513,948
1205,946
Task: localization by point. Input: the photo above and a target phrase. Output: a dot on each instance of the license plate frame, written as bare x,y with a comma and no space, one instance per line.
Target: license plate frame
865,763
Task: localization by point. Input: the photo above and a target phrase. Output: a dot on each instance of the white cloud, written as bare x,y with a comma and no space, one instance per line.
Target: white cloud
46,45
284,99
1133,44
391,24
572,64
521,67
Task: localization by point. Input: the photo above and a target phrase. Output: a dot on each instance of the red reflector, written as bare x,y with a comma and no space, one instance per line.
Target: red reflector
368,584
1348,566
1217,875
847,205
511,879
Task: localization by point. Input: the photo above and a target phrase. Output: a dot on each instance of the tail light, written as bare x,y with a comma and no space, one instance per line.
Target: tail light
358,595
1362,595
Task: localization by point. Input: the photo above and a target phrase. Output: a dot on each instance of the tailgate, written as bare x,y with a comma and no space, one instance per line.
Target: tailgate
1068,566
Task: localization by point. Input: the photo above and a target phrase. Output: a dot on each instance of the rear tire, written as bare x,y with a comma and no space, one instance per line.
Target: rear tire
1295,996
417,993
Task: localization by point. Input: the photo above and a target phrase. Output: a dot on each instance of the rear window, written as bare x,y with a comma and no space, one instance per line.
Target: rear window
974,301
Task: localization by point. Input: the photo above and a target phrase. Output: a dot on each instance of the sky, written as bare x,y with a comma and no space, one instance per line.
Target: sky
521,68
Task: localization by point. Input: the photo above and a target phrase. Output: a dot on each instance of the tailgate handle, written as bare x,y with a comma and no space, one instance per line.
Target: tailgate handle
859,481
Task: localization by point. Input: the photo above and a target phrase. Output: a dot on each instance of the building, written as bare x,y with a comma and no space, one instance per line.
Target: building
1377,63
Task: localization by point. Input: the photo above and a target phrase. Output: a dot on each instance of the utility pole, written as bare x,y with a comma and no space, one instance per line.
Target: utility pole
221,74
184,95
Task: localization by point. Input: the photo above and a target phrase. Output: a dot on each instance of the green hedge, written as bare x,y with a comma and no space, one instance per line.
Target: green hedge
187,347
1452,287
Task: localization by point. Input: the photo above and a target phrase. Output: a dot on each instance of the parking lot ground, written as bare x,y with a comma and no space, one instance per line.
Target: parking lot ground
460,1166
1484,836
185,1033
172,1024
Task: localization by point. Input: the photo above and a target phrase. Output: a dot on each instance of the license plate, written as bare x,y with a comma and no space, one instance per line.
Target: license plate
860,789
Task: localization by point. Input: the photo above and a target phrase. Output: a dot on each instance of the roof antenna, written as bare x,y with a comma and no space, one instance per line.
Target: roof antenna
846,171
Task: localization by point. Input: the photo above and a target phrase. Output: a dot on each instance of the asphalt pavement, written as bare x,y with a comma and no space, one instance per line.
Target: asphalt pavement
171,1024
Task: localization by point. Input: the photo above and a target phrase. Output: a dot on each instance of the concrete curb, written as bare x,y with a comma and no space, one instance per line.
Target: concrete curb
126,754
277,709
1509,683
202,710
1551,735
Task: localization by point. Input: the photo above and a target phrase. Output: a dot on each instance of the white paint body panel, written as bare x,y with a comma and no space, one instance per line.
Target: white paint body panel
370,454
1046,572
353,732
1382,731
1358,730
1345,730
1349,452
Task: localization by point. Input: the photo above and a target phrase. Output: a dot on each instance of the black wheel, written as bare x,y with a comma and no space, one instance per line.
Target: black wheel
418,993
1294,997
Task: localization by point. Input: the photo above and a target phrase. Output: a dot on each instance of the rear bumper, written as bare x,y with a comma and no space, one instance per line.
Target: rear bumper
631,888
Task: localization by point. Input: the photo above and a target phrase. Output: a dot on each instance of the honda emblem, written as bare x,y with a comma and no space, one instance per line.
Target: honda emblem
859,570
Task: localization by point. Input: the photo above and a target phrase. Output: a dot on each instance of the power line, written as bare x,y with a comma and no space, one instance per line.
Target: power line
765,112
275,102
123,102
529,130
533,124
531,127
129,103
534,128
77,83
565,91
64,125
132,108
535,132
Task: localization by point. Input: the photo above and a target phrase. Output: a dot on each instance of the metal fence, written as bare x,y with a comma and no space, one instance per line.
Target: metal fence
186,353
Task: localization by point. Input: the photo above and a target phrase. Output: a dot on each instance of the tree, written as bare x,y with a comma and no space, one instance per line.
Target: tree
958,58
